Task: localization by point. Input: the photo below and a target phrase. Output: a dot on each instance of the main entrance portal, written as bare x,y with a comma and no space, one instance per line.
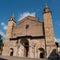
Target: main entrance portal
25,44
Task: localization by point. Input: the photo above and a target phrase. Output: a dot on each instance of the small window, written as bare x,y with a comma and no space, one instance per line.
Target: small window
11,51
27,26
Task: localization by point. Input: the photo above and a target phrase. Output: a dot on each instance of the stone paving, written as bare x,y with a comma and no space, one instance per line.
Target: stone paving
17,58
20,58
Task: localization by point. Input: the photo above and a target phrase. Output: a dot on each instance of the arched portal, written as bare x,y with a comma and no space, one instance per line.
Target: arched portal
25,43
11,51
41,52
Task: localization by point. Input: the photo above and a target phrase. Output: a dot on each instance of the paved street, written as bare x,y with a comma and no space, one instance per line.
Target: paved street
18,58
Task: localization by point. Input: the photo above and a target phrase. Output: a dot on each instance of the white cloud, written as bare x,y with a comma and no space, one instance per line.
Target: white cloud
25,14
4,25
57,40
3,35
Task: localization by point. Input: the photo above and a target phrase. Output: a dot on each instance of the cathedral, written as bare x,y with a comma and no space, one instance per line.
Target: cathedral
30,38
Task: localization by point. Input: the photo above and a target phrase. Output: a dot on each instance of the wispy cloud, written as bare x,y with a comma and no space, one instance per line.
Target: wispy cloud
4,25
2,33
57,40
25,14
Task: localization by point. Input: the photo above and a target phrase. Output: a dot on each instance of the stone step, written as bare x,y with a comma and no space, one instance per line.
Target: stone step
19,58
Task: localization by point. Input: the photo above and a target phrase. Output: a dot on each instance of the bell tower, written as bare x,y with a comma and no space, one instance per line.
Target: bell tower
11,24
10,27
49,33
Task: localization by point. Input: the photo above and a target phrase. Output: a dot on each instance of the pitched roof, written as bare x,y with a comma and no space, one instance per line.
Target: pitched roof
29,18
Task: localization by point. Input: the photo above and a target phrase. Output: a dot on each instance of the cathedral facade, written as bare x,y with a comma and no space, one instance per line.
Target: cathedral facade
30,38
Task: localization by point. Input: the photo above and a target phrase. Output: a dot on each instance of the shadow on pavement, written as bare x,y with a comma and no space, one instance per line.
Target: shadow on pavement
3,59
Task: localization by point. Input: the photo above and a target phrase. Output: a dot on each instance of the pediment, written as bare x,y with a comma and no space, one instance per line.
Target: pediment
29,18
29,26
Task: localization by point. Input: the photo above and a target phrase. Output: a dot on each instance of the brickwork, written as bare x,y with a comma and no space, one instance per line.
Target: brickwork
49,33
30,38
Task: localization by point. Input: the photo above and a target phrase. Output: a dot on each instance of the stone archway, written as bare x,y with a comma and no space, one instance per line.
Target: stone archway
11,51
25,44
41,54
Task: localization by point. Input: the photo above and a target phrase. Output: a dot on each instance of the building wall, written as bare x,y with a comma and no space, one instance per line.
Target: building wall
35,28
49,33
59,50
33,52
30,38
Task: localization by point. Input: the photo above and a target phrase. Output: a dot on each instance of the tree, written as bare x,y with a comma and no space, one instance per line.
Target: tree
1,44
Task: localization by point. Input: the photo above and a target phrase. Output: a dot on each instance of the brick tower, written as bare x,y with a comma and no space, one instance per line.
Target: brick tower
11,24
49,33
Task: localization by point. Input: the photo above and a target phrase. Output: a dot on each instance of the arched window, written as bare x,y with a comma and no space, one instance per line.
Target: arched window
11,51
41,52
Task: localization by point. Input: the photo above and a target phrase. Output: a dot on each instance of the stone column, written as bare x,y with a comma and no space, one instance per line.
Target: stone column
15,51
38,53
35,52
17,47
21,51
32,51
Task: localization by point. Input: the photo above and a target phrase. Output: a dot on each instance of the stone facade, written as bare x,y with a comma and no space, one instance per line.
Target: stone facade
30,38
59,50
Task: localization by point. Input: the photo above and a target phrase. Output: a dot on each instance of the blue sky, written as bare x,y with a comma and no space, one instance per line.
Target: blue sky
29,7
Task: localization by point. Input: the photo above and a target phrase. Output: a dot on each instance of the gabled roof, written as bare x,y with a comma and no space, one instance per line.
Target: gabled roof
29,18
